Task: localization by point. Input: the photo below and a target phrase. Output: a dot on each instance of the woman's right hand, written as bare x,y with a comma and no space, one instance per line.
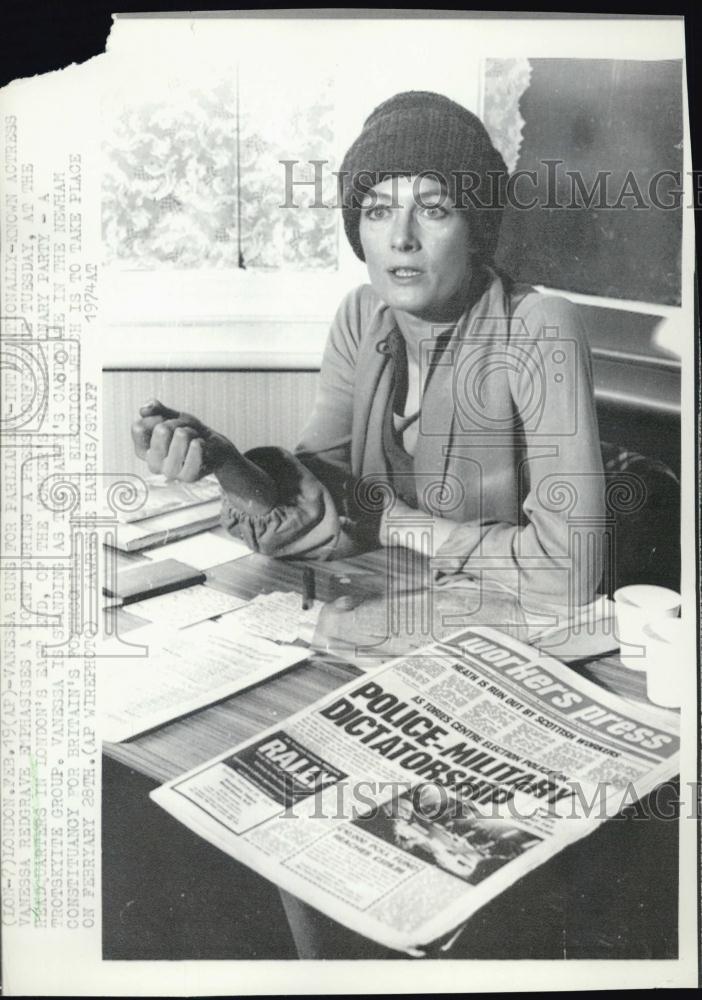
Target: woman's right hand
177,444
180,446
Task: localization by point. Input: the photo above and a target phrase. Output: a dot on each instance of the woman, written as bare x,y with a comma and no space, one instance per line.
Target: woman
455,413
449,397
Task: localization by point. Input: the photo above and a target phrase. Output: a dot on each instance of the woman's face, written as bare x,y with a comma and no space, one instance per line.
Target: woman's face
417,247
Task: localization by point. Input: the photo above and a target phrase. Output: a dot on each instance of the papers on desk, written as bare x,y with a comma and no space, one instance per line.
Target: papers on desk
568,633
183,671
183,608
202,551
584,633
193,662
277,616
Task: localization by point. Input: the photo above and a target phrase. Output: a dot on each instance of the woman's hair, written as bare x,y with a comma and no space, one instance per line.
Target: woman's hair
419,132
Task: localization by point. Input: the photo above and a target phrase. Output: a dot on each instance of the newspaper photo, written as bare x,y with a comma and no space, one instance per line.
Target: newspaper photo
348,583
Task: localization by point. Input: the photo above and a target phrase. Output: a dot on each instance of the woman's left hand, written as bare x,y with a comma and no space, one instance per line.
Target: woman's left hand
407,526
392,523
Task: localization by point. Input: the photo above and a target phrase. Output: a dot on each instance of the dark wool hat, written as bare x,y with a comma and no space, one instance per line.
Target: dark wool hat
420,132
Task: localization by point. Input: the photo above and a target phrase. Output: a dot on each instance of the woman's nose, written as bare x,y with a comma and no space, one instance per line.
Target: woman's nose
403,236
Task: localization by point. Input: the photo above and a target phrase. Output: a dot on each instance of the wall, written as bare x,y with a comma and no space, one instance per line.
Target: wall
255,380
251,407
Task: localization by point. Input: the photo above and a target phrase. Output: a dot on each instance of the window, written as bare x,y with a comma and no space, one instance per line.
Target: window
196,177
175,222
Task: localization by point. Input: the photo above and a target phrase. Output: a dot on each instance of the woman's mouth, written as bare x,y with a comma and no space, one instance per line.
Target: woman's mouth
405,274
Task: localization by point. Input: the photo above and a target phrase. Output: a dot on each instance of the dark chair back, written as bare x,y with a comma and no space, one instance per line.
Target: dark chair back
643,508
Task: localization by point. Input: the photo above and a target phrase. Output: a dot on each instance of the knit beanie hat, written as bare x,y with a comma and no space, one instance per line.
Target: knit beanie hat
420,132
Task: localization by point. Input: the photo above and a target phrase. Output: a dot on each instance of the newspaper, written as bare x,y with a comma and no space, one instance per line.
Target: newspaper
76,318
411,797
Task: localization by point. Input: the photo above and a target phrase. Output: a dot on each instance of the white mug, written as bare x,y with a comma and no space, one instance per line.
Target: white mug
636,606
664,662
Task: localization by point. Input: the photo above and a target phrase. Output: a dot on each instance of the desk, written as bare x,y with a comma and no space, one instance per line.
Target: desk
613,895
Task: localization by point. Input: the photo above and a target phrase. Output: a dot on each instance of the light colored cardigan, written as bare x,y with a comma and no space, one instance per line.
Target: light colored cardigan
508,447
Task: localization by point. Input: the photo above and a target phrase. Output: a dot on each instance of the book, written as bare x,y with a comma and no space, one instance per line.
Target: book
150,579
167,527
166,495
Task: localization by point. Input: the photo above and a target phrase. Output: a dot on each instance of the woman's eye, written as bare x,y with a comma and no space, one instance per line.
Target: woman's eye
434,212
375,212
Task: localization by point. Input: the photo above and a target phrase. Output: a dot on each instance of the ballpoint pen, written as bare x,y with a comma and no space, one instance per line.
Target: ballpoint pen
307,588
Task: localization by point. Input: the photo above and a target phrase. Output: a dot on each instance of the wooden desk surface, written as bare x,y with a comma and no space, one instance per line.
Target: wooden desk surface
176,747
613,895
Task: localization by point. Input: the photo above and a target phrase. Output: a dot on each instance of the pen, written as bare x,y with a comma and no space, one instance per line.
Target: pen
307,588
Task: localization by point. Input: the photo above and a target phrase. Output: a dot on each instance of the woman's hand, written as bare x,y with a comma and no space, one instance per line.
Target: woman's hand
392,522
414,529
178,445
